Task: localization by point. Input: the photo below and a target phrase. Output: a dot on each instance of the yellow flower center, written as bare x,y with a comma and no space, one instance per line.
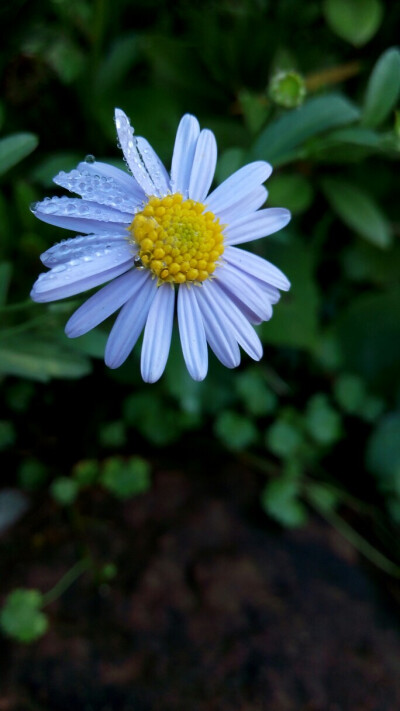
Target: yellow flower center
178,240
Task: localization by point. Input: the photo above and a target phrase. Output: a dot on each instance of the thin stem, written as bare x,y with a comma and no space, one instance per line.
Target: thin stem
371,553
66,581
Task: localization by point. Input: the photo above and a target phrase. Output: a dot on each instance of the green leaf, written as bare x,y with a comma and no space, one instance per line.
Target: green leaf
383,453
40,358
112,434
350,393
322,421
257,398
383,89
53,164
278,141
86,472
116,64
355,21
32,474
126,478
280,500
295,320
21,617
292,191
5,278
231,160
283,439
235,431
8,434
358,210
64,490
369,336
14,148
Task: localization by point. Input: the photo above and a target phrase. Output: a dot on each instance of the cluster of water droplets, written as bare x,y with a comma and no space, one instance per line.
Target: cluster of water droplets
92,252
77,207
140,158
99,188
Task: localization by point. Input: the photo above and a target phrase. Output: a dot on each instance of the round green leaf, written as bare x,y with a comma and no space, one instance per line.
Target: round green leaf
383,88
359,211
355,21
21,617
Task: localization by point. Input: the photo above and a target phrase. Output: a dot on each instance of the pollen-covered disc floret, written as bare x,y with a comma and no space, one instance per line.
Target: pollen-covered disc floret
179,240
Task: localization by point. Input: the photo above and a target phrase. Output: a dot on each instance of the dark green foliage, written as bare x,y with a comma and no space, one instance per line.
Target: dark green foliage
313,413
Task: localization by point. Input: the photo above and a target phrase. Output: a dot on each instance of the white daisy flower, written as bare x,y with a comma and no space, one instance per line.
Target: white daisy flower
154,237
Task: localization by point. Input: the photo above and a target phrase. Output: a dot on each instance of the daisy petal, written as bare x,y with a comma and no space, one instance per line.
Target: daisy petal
218,334
259,224
205,160
248,204
157,334
257,267
192,333
238,185
140,157
154,167
99,188
76,275
83,246
81,215
104,303
129,324
120,176
246,290
243,332
184,150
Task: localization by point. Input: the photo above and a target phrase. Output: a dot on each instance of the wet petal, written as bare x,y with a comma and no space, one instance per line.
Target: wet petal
238,185
81,215
192,333
257,267
105,302
157,334
204,162
183,155
129,324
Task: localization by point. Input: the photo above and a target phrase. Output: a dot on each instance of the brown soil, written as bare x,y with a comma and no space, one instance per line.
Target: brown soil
212,609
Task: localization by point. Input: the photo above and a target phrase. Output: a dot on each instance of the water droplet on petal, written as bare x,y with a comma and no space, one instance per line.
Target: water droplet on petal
137,262
90,159
33,206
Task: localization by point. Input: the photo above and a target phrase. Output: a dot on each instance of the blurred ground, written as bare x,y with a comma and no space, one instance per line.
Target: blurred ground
211,609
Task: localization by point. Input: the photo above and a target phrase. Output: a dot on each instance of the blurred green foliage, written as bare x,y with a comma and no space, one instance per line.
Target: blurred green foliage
321,410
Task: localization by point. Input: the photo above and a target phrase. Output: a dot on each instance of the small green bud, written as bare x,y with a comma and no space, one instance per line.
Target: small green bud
287,89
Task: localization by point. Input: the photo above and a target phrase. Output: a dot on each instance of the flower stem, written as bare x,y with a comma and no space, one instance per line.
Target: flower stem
66,581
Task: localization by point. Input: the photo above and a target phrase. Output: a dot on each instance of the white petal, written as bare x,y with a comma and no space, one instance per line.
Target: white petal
154,167
257,267
120,176
81,215
238,185
105,302
192,333
79,275
157,334
184,150
129,324
140,157
245,289
218,334
204,162
84,245
99,188
243,332
259,224
248,204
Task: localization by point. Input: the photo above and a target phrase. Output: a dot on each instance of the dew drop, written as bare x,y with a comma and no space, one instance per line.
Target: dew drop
33,206
137,262
90,158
